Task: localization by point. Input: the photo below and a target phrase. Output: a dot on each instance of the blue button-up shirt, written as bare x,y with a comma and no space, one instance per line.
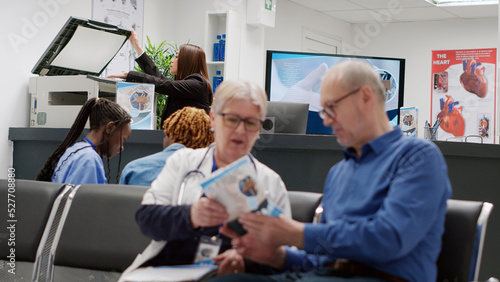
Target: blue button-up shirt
385,209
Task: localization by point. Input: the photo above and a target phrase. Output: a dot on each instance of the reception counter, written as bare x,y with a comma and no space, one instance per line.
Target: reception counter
303,162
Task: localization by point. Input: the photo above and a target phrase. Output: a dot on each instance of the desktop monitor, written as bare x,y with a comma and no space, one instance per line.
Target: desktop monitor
296,77
285,117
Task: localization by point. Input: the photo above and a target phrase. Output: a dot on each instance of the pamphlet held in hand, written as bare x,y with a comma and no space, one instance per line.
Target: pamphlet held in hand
236,188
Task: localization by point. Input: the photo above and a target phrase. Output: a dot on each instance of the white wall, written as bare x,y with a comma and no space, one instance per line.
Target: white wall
32,25
415,42
28,28
292,18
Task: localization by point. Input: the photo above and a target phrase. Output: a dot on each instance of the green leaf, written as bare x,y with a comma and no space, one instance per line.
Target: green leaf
162,55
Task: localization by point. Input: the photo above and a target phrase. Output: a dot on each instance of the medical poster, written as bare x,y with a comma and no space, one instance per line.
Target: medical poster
463,97
127,14
139,101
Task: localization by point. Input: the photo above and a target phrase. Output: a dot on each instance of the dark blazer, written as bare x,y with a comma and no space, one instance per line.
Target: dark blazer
191,91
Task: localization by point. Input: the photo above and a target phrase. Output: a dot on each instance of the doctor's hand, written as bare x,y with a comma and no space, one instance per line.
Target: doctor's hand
230,262
122,75
302,91
207,213
274,231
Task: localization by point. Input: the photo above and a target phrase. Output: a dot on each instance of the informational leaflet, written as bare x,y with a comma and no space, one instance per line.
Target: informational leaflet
237,189
138,100
409,121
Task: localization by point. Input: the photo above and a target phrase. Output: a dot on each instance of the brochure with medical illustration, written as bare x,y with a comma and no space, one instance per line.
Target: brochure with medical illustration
236,188
409,121
139,102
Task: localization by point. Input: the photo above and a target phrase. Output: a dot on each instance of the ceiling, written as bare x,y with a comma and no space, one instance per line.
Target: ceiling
363,11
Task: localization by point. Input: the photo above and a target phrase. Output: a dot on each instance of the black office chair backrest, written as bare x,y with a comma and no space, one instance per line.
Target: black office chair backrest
304,204
100,231
462,241
25,205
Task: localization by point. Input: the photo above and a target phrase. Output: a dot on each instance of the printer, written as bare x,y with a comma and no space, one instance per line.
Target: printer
68,72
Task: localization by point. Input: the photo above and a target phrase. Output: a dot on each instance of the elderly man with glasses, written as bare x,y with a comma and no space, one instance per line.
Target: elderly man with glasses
384,203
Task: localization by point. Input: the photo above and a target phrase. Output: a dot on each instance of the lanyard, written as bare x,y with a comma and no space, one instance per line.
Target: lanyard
90,142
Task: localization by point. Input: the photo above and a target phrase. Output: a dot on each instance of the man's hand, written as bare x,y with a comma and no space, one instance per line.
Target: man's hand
230,261
274,231
253,249
206,213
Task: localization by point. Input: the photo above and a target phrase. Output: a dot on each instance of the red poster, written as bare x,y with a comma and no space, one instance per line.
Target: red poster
463,99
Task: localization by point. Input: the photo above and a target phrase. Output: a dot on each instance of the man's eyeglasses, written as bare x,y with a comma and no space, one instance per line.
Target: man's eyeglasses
330,109
251,124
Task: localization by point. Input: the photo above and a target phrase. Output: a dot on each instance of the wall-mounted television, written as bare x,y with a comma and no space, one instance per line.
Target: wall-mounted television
296,77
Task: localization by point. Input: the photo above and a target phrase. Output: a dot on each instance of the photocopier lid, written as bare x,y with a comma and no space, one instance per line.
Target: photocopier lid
82,46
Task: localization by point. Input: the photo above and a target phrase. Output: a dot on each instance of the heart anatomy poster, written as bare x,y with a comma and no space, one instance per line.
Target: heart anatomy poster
463,98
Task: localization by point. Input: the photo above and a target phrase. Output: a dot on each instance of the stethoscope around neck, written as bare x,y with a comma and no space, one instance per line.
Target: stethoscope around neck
199,172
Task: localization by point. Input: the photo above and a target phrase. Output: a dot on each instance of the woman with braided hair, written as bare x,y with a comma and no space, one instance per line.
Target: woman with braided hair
81,162
187,127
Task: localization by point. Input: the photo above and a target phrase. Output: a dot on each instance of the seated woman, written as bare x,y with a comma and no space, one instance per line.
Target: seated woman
81,162
188,127
238,110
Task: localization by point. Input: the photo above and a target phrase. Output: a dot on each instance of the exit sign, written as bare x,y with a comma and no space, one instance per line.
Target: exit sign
268,5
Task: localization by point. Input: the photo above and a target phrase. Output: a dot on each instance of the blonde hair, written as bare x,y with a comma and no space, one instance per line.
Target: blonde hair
189,126
238,89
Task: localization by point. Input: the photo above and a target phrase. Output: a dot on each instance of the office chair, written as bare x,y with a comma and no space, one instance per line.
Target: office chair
34,205
463,240
304,205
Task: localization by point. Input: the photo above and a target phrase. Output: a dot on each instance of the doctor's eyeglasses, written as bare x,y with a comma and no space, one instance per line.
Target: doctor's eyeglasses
251,124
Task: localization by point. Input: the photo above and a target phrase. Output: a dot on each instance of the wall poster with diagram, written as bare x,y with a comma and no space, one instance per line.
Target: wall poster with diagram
463,97
127,14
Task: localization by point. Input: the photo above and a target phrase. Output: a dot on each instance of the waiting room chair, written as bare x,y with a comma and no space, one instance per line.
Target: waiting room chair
99,238
463,239
34,206
304,205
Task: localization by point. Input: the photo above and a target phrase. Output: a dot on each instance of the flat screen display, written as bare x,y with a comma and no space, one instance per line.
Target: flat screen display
296,77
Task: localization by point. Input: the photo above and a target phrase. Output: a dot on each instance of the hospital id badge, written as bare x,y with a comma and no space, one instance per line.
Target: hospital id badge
208,248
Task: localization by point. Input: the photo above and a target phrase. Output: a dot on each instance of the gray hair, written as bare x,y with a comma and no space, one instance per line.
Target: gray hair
239,89
356,73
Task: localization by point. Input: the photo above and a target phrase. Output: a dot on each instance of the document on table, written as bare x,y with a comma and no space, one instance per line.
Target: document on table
171,273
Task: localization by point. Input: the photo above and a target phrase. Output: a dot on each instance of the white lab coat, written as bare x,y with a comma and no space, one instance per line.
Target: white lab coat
165,189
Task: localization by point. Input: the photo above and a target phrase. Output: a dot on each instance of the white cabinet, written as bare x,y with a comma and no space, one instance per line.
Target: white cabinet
218,23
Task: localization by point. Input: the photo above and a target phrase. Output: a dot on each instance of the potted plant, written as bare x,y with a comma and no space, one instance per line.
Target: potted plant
161,55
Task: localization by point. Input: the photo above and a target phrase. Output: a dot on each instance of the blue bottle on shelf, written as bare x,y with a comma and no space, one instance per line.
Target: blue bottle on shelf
222,48
217,49
217,80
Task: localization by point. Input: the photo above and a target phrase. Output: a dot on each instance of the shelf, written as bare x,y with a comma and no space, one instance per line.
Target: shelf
218,23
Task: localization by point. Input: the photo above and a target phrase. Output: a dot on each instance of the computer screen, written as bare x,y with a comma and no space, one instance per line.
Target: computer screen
296,77
285,117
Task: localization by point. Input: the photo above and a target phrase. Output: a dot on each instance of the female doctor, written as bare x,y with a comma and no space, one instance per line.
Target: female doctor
177,218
